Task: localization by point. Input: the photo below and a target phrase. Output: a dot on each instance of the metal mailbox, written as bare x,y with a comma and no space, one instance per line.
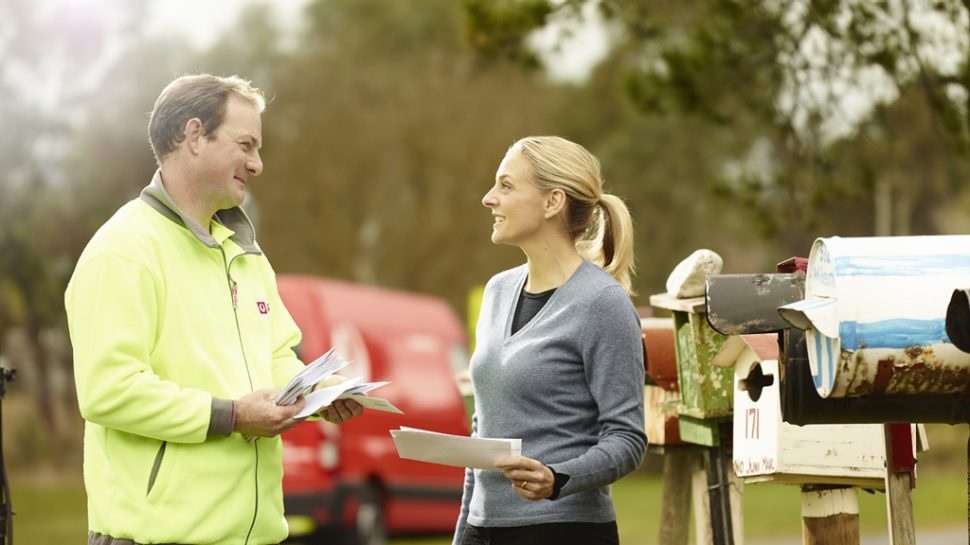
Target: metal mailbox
874,315
662,397
767,449
747,304
706,391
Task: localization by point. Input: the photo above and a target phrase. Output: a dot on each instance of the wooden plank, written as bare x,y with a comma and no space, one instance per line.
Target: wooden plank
899,499
660,416
698,432
701,503
669,302
700,492
737,505
830,516
675,504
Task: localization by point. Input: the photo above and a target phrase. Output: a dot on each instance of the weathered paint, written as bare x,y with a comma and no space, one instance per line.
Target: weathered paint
885,333
912,370
767,449
802,404
741,304
658,346
706,391
700,432
662,398
660,416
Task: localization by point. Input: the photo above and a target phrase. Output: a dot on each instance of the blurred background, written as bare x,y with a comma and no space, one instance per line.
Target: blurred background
746,127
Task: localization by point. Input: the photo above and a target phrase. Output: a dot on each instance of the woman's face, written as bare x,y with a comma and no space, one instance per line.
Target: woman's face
517,205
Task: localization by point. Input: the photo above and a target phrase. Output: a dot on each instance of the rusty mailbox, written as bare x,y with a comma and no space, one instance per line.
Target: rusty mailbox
747,304
874,317
661,394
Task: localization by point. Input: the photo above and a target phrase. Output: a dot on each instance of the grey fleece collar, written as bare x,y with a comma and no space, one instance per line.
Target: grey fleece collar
234,218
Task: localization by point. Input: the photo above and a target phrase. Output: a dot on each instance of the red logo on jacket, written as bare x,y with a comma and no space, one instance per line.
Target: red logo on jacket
263,307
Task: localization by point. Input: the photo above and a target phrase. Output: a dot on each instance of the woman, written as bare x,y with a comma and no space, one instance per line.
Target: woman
558,359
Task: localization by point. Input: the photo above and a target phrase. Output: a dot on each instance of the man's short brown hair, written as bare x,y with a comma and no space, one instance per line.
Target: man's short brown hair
202,96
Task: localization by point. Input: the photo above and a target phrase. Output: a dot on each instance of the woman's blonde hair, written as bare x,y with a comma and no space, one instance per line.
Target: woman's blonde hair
598,222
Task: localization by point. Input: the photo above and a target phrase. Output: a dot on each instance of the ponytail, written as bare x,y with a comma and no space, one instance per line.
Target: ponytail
609,242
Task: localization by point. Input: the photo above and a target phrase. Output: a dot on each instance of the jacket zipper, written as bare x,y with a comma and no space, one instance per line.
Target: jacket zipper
234,295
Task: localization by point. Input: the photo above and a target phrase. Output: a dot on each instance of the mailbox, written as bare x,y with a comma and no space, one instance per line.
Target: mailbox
767,449
747,304
874,315
662,397
706,391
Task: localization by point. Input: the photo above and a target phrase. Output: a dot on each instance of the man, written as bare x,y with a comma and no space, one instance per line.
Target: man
181,341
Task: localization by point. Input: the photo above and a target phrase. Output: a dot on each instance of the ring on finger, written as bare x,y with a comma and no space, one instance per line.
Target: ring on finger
523,485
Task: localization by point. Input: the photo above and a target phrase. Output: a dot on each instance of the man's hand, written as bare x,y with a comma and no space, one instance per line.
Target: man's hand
258,415
530,478
341,411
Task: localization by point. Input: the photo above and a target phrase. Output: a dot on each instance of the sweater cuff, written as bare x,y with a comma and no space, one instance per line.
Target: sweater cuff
222,418
559,481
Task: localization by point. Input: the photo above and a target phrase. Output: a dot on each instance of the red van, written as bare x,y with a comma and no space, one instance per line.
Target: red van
347,481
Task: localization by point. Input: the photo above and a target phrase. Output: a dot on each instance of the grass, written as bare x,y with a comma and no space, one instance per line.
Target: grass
50,512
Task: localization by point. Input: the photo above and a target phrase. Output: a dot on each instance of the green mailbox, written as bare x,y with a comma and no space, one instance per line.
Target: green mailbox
706,391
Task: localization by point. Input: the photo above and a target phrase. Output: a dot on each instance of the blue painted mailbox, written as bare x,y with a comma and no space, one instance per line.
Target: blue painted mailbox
875,315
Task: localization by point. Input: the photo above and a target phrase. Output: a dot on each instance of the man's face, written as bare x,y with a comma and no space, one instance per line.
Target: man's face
231,157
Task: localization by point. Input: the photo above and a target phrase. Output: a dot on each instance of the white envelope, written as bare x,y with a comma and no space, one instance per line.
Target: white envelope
453,450
374,403
314,401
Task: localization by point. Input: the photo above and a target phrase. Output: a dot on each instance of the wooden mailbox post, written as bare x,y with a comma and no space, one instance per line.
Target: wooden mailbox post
680,460
704,418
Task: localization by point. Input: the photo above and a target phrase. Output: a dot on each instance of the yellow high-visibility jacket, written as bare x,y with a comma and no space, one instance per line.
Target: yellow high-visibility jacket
168,323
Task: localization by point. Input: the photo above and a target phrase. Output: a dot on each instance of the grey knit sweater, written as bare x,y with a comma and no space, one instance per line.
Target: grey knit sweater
570,385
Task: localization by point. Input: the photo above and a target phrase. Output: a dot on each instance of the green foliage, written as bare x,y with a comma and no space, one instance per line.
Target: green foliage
376,157
387,121
768,82
498,29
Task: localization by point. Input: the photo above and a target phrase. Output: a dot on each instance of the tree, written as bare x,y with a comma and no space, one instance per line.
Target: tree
33,257
773,83
64,150
382,137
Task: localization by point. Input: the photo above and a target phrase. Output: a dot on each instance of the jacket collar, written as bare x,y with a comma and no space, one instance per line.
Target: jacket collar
235,219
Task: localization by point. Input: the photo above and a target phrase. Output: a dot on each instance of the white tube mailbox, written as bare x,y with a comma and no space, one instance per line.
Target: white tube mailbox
875,315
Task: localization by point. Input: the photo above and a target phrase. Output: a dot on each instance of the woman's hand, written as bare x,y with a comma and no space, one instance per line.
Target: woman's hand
530,478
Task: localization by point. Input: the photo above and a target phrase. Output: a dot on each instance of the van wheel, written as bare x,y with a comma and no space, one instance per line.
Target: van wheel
370,528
